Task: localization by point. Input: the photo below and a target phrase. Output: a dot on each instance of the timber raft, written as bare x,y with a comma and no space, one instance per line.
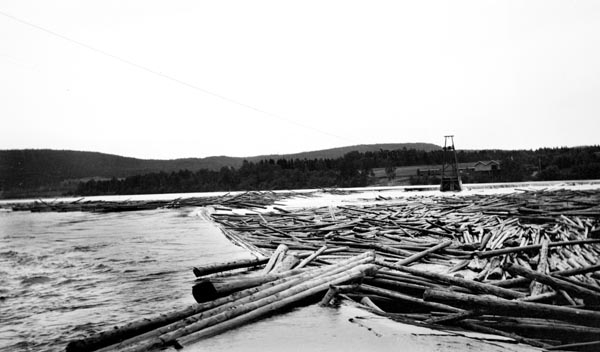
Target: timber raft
522,265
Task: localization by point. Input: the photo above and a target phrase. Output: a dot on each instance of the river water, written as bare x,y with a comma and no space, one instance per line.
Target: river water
64,276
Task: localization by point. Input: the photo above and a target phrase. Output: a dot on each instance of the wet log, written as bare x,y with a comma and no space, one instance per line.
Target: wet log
151,339
592,346
287,263
366,301
408,299
212,288
504,307
451,280
396,285
555,330
555,282
136,329
577,271
497,252
452,318
334,291
311,257
489,330
221,267
536,287
415,257
281,250
243,314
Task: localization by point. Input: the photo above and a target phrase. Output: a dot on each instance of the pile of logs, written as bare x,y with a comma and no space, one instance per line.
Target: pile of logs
270,290
246,200
522,265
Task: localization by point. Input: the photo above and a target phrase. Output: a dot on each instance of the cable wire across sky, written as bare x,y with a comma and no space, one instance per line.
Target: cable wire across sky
174,79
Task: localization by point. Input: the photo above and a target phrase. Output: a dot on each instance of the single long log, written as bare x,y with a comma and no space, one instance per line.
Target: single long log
591,346
497,252
536,287
488,330
212,288
237,264
470,284
504,307
452,318
407,298
577,271
311,257
570,272
554,282
395,284
415,257
555,330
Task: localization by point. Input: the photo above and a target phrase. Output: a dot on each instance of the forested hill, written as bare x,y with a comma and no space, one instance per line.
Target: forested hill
335,153
38,172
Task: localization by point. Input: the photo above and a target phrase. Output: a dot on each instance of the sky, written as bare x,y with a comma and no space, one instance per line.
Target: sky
174,79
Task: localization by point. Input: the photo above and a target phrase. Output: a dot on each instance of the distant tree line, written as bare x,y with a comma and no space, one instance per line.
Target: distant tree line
266,174
354,169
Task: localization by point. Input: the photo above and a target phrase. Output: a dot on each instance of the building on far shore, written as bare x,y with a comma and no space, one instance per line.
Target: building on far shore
487,166
481,167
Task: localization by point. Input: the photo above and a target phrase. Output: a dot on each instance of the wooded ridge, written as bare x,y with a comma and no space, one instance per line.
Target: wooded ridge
35,173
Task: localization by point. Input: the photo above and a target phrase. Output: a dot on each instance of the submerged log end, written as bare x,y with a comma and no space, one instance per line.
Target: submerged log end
204,291
197,272
77,346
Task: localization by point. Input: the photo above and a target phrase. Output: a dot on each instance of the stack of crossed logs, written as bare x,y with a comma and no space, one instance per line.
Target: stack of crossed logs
522,265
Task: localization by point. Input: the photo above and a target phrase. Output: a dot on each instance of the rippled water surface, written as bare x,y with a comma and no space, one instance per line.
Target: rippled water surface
64,275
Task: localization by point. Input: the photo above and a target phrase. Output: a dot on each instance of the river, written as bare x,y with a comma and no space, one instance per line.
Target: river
64,276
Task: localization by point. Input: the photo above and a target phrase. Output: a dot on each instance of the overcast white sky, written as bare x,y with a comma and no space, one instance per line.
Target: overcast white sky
170,79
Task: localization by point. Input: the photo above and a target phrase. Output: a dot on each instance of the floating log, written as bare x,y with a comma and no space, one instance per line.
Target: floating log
591,346
367,302
287,263
310,258
536,287
221,267
276,302
500,306
415,257
209,289
497,252
472,285
154,338
408,299
488,330
554,282
281,249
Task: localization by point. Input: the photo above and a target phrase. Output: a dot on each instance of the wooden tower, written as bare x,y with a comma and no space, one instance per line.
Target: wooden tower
450,176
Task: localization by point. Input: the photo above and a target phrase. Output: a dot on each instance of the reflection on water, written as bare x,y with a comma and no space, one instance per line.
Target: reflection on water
64,275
